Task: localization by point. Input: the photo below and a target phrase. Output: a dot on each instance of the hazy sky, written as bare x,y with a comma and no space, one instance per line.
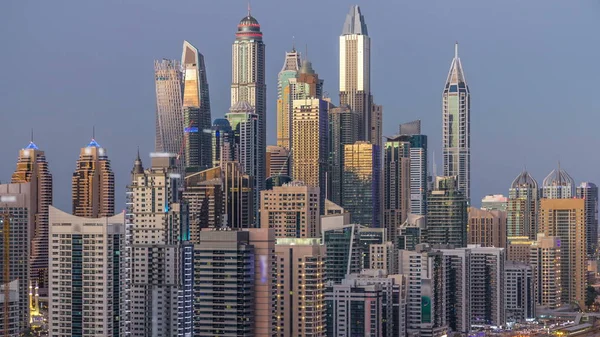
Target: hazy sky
532,66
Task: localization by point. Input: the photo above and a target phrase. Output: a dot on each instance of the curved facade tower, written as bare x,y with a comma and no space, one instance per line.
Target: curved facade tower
196,110
32,167
355,70
290,69
558,185
456,113
248,84
168,78
93,189
523,207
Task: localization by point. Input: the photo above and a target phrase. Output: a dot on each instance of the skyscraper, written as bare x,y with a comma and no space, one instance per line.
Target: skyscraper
487,228
168,78
93,184
522,208
410,128
520,292
158,225
355,309
343,129
447,214
300,270
589,192
309,143
97,270
307,83
204,195
239,209
396,184
565,218
223,142
355,71
558,185
545,261
486,284
32,168
196,110
456,113
278,161
291,65
248,83
292,210
361,191
15,204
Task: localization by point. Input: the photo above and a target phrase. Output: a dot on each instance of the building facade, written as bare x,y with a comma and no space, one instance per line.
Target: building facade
300,303
396,184
487,228
589,192
223,142
343,130
93,183
520,292
248,84
291,66
522,208
196,110
447,214
292,210
361,191
456,111
278,161
355,71
545,262
32,167
565,218
168,79
89,257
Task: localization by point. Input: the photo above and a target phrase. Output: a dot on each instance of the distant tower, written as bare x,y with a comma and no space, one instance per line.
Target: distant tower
589,192
93,189
396,184
522,208
32,167
558,185
196,110
248,83
456,113
223,142
290,69
343,130
418,166
168,78
446,214
355,70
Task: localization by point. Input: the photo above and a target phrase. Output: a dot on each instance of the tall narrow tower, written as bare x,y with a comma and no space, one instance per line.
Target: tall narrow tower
196,110
93,189
290,69
248,82
456,113
32,167
168,78
355,70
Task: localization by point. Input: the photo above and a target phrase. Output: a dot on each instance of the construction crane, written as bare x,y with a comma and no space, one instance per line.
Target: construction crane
6,261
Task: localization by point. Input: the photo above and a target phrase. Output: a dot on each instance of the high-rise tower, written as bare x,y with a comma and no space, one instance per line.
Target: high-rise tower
32,168
558,185
589,192
355,70
248,83
196,110
456,114
168,78
523,206
93,189
290,69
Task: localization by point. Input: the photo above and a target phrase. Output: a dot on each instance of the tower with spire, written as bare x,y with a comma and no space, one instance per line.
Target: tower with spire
32,167
523,207
93,183
355,71
456,133
248,85
291,66
558,185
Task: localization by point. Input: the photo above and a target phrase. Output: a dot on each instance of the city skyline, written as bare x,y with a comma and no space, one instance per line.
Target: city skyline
491,118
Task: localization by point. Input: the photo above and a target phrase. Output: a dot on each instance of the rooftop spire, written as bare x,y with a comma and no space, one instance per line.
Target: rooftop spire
31,135
456,74
93,132
355,22
456,50
249,9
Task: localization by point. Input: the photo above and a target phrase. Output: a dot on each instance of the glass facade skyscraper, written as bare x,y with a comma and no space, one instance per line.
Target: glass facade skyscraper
589,192
168,76
456,113
447,214
361,191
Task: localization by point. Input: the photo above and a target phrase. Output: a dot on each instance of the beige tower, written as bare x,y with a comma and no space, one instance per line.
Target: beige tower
546,265
292,210
32,167
300,303
565,218
309,143
93,189
487,228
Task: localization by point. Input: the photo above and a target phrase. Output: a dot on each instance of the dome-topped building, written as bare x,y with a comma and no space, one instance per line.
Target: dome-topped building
558,185
522,207
524,179
248,29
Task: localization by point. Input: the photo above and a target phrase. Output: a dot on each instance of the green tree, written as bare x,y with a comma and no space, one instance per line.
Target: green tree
590,296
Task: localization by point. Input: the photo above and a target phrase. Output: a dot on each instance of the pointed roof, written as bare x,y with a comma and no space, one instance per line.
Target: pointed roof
242,106
559,177
93,143
138,168
355,22
524,179
292,61
307,67
31,146
189,54
456,74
